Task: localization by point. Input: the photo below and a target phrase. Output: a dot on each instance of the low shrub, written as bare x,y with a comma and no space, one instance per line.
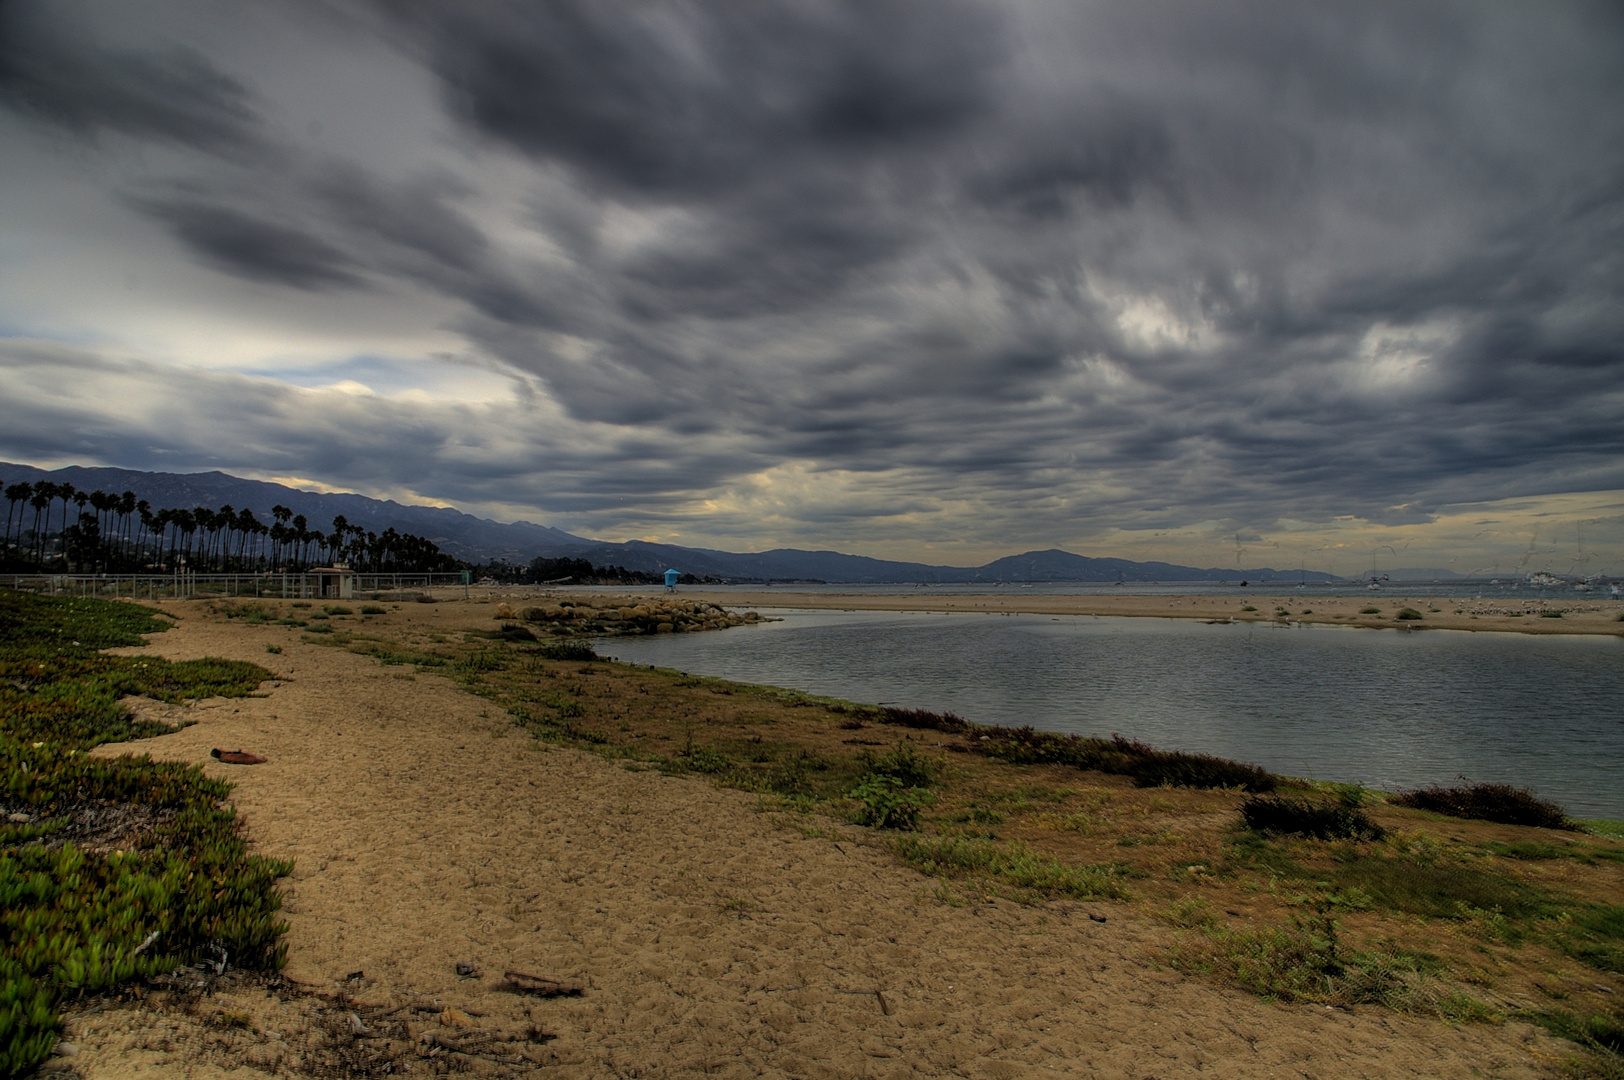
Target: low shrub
373,609
1500,803
1300,817
887,803
1409,614
1146,765
574,649
905,765
920,718
1370,611
892,790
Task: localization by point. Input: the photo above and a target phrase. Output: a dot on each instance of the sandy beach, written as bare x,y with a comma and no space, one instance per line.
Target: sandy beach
710,938
1577,615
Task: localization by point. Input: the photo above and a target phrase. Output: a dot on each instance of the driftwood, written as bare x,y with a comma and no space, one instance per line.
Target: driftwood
541,985
237,757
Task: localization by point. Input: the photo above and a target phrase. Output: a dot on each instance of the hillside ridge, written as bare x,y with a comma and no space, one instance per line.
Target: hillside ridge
476,539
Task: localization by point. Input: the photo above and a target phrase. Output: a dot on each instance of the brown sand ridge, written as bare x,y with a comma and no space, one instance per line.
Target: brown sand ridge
708,937
1577,614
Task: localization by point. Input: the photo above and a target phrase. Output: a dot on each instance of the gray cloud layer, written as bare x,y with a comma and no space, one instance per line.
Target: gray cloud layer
1040,263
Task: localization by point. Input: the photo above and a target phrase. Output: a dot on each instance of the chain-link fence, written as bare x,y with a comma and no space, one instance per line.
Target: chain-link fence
185,586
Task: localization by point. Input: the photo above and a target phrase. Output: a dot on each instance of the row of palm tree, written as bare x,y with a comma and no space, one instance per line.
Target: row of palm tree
121,533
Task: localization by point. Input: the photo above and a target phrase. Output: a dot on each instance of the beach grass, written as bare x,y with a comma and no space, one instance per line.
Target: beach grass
1014,868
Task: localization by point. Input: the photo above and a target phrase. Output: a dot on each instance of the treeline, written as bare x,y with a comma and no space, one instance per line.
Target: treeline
543,571
578,571
101,532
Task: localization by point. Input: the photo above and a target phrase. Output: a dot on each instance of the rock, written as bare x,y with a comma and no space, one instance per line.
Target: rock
236,757
19,819
66,1049
466,969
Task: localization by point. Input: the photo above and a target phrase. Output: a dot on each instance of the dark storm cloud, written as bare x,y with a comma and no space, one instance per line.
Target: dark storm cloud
667,99
250,247
51,70
1056,260
414,216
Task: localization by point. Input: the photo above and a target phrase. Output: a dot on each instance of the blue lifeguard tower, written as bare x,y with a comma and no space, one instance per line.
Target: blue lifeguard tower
671,577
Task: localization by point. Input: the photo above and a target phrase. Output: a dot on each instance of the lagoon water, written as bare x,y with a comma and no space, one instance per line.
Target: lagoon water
1388,708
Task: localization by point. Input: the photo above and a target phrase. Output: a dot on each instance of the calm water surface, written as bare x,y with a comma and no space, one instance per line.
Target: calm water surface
1388,708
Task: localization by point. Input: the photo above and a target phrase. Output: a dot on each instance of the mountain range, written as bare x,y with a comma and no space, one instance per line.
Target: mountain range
475,539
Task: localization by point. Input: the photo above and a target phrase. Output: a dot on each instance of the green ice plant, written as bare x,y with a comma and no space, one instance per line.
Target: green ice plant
76,922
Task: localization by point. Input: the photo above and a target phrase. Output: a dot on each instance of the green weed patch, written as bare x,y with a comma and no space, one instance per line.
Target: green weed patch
1306,960
1600,1033
1014,865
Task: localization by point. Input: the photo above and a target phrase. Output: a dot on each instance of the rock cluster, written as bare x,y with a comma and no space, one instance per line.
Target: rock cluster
608,616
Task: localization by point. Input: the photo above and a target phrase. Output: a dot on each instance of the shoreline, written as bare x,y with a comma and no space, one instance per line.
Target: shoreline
450,822
1589,617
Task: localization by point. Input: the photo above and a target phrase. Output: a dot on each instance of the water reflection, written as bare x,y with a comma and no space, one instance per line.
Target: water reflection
1389,708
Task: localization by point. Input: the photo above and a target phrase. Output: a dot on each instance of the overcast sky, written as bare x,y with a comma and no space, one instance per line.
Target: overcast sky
936,280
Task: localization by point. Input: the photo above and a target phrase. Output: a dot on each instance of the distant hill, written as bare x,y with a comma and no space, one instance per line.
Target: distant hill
1054,565
479,540
460,535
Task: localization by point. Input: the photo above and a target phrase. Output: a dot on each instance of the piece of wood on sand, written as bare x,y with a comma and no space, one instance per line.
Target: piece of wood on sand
541,985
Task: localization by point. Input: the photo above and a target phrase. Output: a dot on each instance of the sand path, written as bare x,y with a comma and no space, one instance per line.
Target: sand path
712,940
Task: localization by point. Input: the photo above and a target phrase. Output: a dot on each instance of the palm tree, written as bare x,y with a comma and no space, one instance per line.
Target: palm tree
44,495
66,492
283,516
301,539
168,535
246,525
105,504
149,524
17,493
126,510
